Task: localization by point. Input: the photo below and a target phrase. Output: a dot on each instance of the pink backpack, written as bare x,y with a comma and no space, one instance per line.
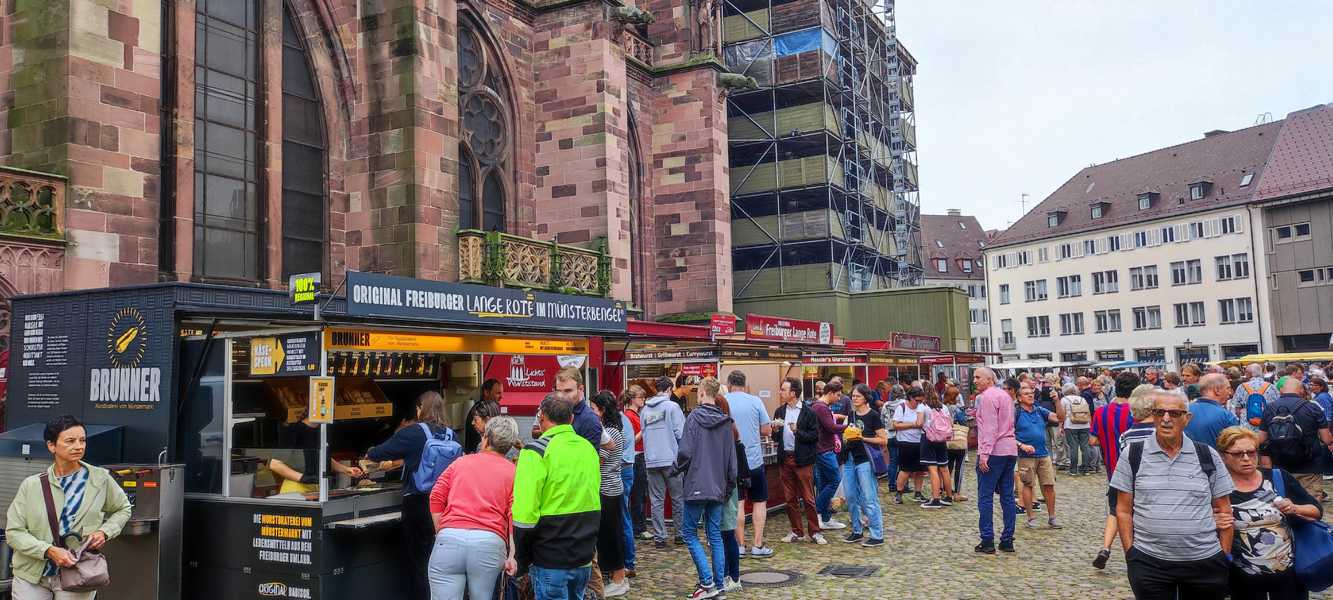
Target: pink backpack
939,427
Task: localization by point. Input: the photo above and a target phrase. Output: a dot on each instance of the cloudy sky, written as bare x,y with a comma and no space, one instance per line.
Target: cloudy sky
1015,97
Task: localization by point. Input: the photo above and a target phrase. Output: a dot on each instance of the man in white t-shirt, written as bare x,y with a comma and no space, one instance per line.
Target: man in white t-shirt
751,419
1078,420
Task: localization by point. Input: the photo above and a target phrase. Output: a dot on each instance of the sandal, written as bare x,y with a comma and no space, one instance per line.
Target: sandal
959,498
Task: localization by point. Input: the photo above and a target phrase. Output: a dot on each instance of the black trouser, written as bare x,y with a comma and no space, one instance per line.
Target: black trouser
1156,579
638,493
418,540
956,469
1278,586
611,537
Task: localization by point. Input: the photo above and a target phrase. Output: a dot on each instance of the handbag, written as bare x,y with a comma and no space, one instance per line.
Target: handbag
90,572
1311,546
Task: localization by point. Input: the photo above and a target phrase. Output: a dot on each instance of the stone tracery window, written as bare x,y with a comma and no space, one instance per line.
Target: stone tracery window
485,141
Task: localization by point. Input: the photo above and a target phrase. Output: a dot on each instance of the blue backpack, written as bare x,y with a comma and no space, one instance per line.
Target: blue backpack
1311,545
441,451
1255,403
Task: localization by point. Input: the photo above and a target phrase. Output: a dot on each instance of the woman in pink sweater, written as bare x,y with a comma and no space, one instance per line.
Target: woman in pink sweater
470,506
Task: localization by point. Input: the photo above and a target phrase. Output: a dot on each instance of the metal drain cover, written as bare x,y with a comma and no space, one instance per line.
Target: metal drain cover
774,578
848,570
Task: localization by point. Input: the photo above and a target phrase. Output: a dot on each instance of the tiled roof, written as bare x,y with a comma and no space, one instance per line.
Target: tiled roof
960,243
1222,158
1302,160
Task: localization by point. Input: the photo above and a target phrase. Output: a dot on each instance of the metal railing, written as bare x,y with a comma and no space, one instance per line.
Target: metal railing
505,260
32,204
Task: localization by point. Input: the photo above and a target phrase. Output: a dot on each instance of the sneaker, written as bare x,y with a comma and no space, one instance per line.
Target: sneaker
791,537
831,524
932,504
897,498
818,538
731,585
872,542
659,544
630,573
1020,510
703,592
1328,478
1032,523
1050,522
745,552
761,552
614,589
647,535
920,498
946,500
1007,546
959,498
680,541
984,548
1102,557
853,538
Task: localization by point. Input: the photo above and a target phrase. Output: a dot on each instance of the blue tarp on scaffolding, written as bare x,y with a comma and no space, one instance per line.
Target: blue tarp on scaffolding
804,40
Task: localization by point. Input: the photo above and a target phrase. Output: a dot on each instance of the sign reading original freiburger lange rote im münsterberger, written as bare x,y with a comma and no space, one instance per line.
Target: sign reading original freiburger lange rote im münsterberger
372,294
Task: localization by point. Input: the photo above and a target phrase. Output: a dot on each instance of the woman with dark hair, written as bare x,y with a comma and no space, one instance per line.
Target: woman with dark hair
611,534
864,430
481,412
934,457
909,420
90,508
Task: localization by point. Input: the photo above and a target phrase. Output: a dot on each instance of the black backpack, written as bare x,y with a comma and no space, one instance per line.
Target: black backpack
1135,457
1287,441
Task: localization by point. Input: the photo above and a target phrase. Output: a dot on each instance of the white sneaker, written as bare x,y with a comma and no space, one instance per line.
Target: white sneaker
745,552
731,585
831,524
818,538
792,537
614,589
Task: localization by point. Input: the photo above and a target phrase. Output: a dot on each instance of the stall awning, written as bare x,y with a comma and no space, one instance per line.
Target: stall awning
1128,364
1289,357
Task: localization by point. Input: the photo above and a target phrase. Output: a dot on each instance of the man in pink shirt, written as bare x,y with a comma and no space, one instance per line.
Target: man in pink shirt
997,454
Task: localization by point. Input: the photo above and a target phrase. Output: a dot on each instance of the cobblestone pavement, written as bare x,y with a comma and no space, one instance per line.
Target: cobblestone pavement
928,543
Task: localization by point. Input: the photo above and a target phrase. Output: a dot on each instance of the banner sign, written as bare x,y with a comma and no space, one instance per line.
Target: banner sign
949,359
723,324
294,355
674,355
699,369
834,359
373,294
321,400
369,340
523,372
760,354
912,341
776,329
303,288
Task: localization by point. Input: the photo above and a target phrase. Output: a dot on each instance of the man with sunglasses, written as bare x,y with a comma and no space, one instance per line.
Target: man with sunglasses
1170,487
1293,434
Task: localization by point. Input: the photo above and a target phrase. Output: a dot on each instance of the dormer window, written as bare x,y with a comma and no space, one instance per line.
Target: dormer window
1199,189
1054,218
967,265
942,265
939,244
1099,209
1244,181
962,225
1147,200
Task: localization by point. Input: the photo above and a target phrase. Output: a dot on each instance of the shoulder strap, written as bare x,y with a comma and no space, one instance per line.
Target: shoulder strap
1205,458
50,509
1279,486
1135,458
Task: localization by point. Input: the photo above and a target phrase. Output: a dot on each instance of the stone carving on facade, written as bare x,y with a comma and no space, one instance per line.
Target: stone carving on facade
706,20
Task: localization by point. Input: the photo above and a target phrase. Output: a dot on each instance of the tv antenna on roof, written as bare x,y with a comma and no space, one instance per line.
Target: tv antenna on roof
1023,202
1264,117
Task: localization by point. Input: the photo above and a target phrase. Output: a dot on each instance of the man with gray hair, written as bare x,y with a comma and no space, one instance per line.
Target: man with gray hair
1208,415
1252,396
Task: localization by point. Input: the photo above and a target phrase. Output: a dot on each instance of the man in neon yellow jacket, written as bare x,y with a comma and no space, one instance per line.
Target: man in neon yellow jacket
557,508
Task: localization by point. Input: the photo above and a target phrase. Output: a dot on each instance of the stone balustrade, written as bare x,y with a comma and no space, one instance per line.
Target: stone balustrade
505,260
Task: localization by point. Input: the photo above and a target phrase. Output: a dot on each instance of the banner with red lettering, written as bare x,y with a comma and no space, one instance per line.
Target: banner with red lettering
763,328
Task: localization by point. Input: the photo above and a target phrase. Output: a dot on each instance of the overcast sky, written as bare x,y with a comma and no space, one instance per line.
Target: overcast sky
1017,96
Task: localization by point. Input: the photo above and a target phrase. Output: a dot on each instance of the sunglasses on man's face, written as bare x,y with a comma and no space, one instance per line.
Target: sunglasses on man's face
1168,412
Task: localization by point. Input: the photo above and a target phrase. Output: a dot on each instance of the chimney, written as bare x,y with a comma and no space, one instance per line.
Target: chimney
1214,132
954,212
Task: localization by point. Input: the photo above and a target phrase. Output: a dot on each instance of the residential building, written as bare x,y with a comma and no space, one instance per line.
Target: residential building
1145,258
952,245
1293,207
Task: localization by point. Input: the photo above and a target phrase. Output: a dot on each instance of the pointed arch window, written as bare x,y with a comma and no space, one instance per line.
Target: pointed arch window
304,149
484,164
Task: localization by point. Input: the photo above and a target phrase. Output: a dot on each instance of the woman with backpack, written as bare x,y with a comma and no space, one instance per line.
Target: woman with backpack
935,451
611,534
426,449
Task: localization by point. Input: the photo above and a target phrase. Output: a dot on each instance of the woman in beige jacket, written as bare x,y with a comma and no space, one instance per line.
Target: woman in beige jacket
91,508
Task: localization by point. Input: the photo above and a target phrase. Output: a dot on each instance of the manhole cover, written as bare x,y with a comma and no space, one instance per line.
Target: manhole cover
775,578
848,570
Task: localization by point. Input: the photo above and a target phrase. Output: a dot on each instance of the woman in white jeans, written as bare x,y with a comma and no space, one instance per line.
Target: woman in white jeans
471,505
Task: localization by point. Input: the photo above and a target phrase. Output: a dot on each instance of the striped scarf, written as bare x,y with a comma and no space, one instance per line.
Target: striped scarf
73,486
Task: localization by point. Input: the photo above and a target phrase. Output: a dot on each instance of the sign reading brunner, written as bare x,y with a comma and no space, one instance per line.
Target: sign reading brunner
372,294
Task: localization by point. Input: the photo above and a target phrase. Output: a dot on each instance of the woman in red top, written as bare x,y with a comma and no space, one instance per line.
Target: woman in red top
470,506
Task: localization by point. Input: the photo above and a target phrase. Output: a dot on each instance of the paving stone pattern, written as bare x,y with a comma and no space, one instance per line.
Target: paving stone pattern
936,543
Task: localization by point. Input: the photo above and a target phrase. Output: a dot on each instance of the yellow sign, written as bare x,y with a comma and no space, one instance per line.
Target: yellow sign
266,356
321,399
304,287
380,341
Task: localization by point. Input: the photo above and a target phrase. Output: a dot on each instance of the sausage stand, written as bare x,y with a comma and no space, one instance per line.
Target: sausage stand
215,377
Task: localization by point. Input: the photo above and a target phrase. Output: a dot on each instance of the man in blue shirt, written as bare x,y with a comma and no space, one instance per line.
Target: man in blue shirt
1208,413
1034,460
751,419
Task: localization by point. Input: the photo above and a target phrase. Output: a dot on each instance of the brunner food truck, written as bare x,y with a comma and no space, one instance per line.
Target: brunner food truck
192,393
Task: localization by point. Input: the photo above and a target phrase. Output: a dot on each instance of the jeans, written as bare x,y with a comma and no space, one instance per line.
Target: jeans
1078,450
626,522
659,485
862,489
558,584
826,483
999,478
465,559
710,572
798,488
892,475
1152,578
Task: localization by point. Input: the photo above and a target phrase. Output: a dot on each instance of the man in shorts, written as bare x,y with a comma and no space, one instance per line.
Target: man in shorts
1034,459
751,419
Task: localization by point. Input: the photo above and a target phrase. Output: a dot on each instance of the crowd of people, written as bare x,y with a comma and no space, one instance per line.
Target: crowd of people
1208,472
